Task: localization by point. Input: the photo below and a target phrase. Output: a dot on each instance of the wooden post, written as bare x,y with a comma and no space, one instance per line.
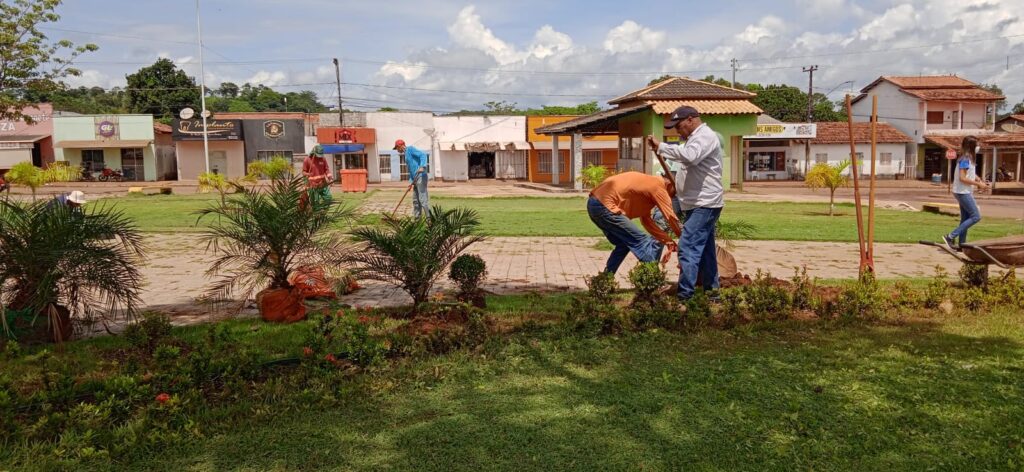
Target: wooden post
856,187
960,116
871,190
555,157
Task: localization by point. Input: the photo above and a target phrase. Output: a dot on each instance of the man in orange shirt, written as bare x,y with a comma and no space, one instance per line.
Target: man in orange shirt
318,175
623,197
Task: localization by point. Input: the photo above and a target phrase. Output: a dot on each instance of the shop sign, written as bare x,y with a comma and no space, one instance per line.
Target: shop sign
273,129
106,127
217,130
786,131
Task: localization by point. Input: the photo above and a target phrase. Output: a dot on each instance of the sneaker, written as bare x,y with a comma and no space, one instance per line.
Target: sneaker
950,243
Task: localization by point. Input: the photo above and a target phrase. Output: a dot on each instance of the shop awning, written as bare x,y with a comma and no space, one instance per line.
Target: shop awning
20,138
343,148
451,146
518,146
602,122
113,143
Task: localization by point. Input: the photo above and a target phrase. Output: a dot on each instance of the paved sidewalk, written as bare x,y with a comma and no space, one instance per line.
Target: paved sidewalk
175,275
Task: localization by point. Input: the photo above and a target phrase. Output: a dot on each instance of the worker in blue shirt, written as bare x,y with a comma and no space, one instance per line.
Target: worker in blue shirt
416,161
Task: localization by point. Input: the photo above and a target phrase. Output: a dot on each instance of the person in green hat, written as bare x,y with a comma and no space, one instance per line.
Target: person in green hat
318,174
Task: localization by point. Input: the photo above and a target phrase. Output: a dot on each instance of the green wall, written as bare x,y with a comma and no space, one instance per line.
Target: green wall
83,128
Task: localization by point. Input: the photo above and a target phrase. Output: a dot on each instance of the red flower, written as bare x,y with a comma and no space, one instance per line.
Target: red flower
307,351
330,358
162,398
364,319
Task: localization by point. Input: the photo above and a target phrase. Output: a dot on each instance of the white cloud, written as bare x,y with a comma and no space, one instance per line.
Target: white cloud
767,28
469,31
268,78
548,42
90,78
631,37
408,71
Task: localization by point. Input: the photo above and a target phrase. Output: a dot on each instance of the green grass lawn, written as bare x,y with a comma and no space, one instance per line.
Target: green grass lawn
773,221
944,394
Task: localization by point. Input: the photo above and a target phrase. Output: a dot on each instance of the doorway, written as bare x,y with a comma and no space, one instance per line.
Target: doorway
481,165
935,162
219,162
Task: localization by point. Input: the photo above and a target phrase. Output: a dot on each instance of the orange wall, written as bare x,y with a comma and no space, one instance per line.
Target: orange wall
534,122
609,159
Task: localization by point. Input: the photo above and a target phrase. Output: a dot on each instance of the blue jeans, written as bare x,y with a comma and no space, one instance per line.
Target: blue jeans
420,200
970,215
659,218
624,235
697,251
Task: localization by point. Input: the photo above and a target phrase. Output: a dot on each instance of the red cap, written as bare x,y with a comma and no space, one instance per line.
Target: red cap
399,143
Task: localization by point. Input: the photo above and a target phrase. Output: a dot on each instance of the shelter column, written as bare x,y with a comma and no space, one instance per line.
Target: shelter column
555,158
995,166
1020,155
960,116
577,160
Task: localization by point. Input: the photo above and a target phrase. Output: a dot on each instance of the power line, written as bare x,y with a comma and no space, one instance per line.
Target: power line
598,95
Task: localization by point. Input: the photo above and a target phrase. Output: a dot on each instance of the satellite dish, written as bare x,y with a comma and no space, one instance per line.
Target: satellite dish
186,113
1012,127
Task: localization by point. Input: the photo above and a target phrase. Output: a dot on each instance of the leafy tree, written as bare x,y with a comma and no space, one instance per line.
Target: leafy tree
28,175
788,103
412,253
228,90
387,109
29,62
823,175
56,261
501,108
161,90
261,237
1001,104
1018,108
304,101
718,81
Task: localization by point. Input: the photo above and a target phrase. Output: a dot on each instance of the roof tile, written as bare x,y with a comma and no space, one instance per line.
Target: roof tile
683,88
838,132
929,81
707,107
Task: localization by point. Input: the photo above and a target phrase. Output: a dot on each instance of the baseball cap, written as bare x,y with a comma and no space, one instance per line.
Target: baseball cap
680,114
398,143
317,151
77,197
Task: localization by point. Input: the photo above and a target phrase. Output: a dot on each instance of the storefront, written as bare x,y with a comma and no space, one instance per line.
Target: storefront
24,142
414,128
482,147
597,150
227,149
117,142
776,150
272,137
351,149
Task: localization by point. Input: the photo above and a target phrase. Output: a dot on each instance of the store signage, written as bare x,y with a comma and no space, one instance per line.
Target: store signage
346,136
786,131
217,130
273,129
106,129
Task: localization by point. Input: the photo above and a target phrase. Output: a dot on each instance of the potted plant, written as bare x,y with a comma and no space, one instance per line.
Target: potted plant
58,263
261,236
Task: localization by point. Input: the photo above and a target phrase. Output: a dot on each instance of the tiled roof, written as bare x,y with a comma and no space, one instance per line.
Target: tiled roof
929,81
707,107
955,94
986,140
601,122
838,132
162,128
682,88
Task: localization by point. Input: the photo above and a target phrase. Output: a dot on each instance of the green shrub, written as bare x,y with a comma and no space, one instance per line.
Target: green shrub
602,287
904,297
732,307
862,300
974,275
935,292
972,299
698,310
592,175
468,271
148,331
803,289
663,313
648,279
766,300
345,336
1006,290
595,312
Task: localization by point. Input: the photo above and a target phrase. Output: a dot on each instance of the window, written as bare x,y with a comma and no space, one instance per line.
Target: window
591,158
885,158
821,158
92,160
132,164
268,155
544,162
355,161
510,164
935,118
385,164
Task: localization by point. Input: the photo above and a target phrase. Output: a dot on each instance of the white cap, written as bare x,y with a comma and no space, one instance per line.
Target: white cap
77,197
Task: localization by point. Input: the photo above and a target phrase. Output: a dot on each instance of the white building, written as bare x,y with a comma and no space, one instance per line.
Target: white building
415,128
480,147
832,145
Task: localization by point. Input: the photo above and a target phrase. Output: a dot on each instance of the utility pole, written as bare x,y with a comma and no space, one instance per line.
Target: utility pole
810,115
734,62
202,90
337,78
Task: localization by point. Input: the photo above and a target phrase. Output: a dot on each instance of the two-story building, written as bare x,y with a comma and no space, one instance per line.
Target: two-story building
934,111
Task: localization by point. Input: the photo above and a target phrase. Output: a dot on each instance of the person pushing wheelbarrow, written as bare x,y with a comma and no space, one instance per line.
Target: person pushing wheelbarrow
416,161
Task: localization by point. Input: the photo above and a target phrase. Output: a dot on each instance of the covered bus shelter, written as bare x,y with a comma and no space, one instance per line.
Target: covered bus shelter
1001,160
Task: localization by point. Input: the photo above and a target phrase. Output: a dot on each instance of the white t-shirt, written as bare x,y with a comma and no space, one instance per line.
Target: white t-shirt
964,162
700,185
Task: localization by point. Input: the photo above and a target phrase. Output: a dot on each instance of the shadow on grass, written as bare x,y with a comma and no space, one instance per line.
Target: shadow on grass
885,397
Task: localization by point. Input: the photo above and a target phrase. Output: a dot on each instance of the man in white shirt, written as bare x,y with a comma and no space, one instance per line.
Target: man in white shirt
701,196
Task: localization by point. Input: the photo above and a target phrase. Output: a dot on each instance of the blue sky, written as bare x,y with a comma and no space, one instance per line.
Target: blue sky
542,52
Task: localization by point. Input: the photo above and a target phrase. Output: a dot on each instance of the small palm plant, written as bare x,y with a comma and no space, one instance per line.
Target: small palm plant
278,167
58,262
412,253
260,237
28,175
823,175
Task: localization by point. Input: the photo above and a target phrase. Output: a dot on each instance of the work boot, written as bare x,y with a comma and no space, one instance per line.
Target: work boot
950,242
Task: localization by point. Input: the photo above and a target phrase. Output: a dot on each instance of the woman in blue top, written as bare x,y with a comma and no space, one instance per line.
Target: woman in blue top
964,181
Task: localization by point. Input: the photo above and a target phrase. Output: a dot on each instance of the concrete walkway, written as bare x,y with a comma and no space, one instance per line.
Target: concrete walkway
176,281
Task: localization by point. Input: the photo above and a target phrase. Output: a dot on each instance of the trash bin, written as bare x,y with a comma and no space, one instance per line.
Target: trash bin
936,178
353,180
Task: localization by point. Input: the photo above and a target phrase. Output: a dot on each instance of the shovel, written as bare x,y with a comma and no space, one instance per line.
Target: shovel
406,194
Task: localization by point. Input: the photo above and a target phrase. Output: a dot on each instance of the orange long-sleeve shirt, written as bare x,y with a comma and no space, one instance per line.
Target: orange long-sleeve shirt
634,195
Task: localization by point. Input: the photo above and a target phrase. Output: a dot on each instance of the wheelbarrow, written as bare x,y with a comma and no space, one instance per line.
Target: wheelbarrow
1007,253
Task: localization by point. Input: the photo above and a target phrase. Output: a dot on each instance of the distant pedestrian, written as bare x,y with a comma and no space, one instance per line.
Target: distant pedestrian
701,195
73,200
965,180
620,199
318,175
416,161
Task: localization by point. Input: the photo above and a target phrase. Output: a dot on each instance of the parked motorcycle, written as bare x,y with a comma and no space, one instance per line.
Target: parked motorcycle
4,186
87,175
111,175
